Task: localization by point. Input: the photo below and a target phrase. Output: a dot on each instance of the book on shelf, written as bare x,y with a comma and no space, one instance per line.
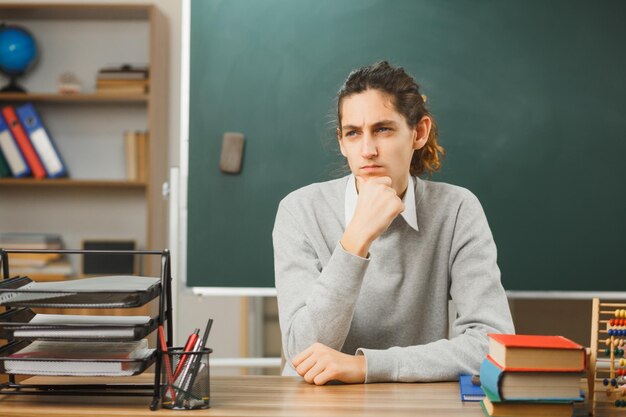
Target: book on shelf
77,358
122,86
23,142
17,240
535,352
124,79
129,89
43,143
530,386
33,259
44,272
11,151
124,72
136,153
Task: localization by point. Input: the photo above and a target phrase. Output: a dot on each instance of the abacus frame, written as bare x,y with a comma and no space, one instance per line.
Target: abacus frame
601,316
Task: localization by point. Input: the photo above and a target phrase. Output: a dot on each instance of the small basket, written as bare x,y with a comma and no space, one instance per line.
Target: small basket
185,380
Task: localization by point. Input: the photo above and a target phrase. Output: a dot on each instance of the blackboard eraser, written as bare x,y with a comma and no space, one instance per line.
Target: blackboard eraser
232,152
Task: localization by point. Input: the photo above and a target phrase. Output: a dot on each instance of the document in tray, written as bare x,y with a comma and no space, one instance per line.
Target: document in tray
97,333
73,358
109,284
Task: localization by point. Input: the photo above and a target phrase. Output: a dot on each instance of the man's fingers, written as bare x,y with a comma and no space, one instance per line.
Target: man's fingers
315,370
306,365
323,377
297,360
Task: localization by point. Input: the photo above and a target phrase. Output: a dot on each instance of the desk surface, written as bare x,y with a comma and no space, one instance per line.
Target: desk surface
261,396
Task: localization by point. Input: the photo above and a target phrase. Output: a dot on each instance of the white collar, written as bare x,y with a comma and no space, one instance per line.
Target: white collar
409,214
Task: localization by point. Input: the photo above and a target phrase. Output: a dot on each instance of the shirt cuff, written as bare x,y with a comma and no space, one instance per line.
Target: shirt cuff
367,258
379,365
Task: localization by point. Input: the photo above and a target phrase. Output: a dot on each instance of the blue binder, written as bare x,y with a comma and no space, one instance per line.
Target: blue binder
42,141
12,154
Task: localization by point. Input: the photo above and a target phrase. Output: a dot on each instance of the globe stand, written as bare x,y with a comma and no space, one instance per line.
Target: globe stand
12,87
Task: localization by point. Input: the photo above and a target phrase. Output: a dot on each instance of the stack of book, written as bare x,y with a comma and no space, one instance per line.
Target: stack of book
37,266
531,376
124,79
26,146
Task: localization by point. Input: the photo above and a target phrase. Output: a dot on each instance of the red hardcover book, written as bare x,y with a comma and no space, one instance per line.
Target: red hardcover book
23,142
536,353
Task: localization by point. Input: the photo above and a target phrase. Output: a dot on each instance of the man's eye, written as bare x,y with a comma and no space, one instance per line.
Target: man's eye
351,133
383,129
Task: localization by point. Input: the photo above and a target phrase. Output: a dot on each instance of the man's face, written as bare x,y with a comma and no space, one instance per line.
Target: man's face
376,139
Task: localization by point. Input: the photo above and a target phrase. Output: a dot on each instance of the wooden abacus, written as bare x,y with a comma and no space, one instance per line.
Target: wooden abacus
607,365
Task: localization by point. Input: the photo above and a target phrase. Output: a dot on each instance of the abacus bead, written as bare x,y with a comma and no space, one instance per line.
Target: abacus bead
613,382
605,381
611,332
616,312
607,351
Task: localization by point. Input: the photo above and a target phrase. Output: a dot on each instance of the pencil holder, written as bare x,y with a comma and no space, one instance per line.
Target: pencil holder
185,382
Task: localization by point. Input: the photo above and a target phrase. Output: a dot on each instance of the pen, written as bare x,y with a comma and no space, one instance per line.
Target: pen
168,366
195,362
185,372
191,342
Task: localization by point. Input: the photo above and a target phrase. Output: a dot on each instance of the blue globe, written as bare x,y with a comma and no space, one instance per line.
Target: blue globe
18,50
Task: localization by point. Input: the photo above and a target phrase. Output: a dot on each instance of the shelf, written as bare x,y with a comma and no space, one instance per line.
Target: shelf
78,98
76,11
29,182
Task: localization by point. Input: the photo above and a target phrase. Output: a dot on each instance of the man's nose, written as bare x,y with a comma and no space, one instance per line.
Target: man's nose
368,147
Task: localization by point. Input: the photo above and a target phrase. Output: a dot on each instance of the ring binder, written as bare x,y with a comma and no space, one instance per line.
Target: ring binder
32,340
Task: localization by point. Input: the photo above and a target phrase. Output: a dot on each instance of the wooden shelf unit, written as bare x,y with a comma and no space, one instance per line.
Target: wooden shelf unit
100,22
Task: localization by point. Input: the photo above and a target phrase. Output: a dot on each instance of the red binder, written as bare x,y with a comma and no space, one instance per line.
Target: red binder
23,142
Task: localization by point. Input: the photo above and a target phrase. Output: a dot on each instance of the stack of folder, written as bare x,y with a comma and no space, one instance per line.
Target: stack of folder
527,375
26,147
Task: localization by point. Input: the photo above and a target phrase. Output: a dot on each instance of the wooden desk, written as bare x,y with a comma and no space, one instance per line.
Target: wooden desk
262,396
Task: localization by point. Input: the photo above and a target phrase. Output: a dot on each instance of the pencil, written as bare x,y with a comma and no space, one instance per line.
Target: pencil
167,364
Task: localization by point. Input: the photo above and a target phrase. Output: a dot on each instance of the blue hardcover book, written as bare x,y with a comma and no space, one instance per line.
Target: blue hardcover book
528,386
469,391
12,153
42,141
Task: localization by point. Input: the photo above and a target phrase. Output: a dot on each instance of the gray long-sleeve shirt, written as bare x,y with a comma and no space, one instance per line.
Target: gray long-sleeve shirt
393,306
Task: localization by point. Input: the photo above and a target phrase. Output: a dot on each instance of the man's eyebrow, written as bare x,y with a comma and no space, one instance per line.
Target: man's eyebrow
349,127
384,123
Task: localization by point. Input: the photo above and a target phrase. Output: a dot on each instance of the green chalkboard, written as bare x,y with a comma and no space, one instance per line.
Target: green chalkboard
530,97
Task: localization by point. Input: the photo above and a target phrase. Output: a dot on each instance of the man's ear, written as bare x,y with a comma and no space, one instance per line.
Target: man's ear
343,151
421,132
